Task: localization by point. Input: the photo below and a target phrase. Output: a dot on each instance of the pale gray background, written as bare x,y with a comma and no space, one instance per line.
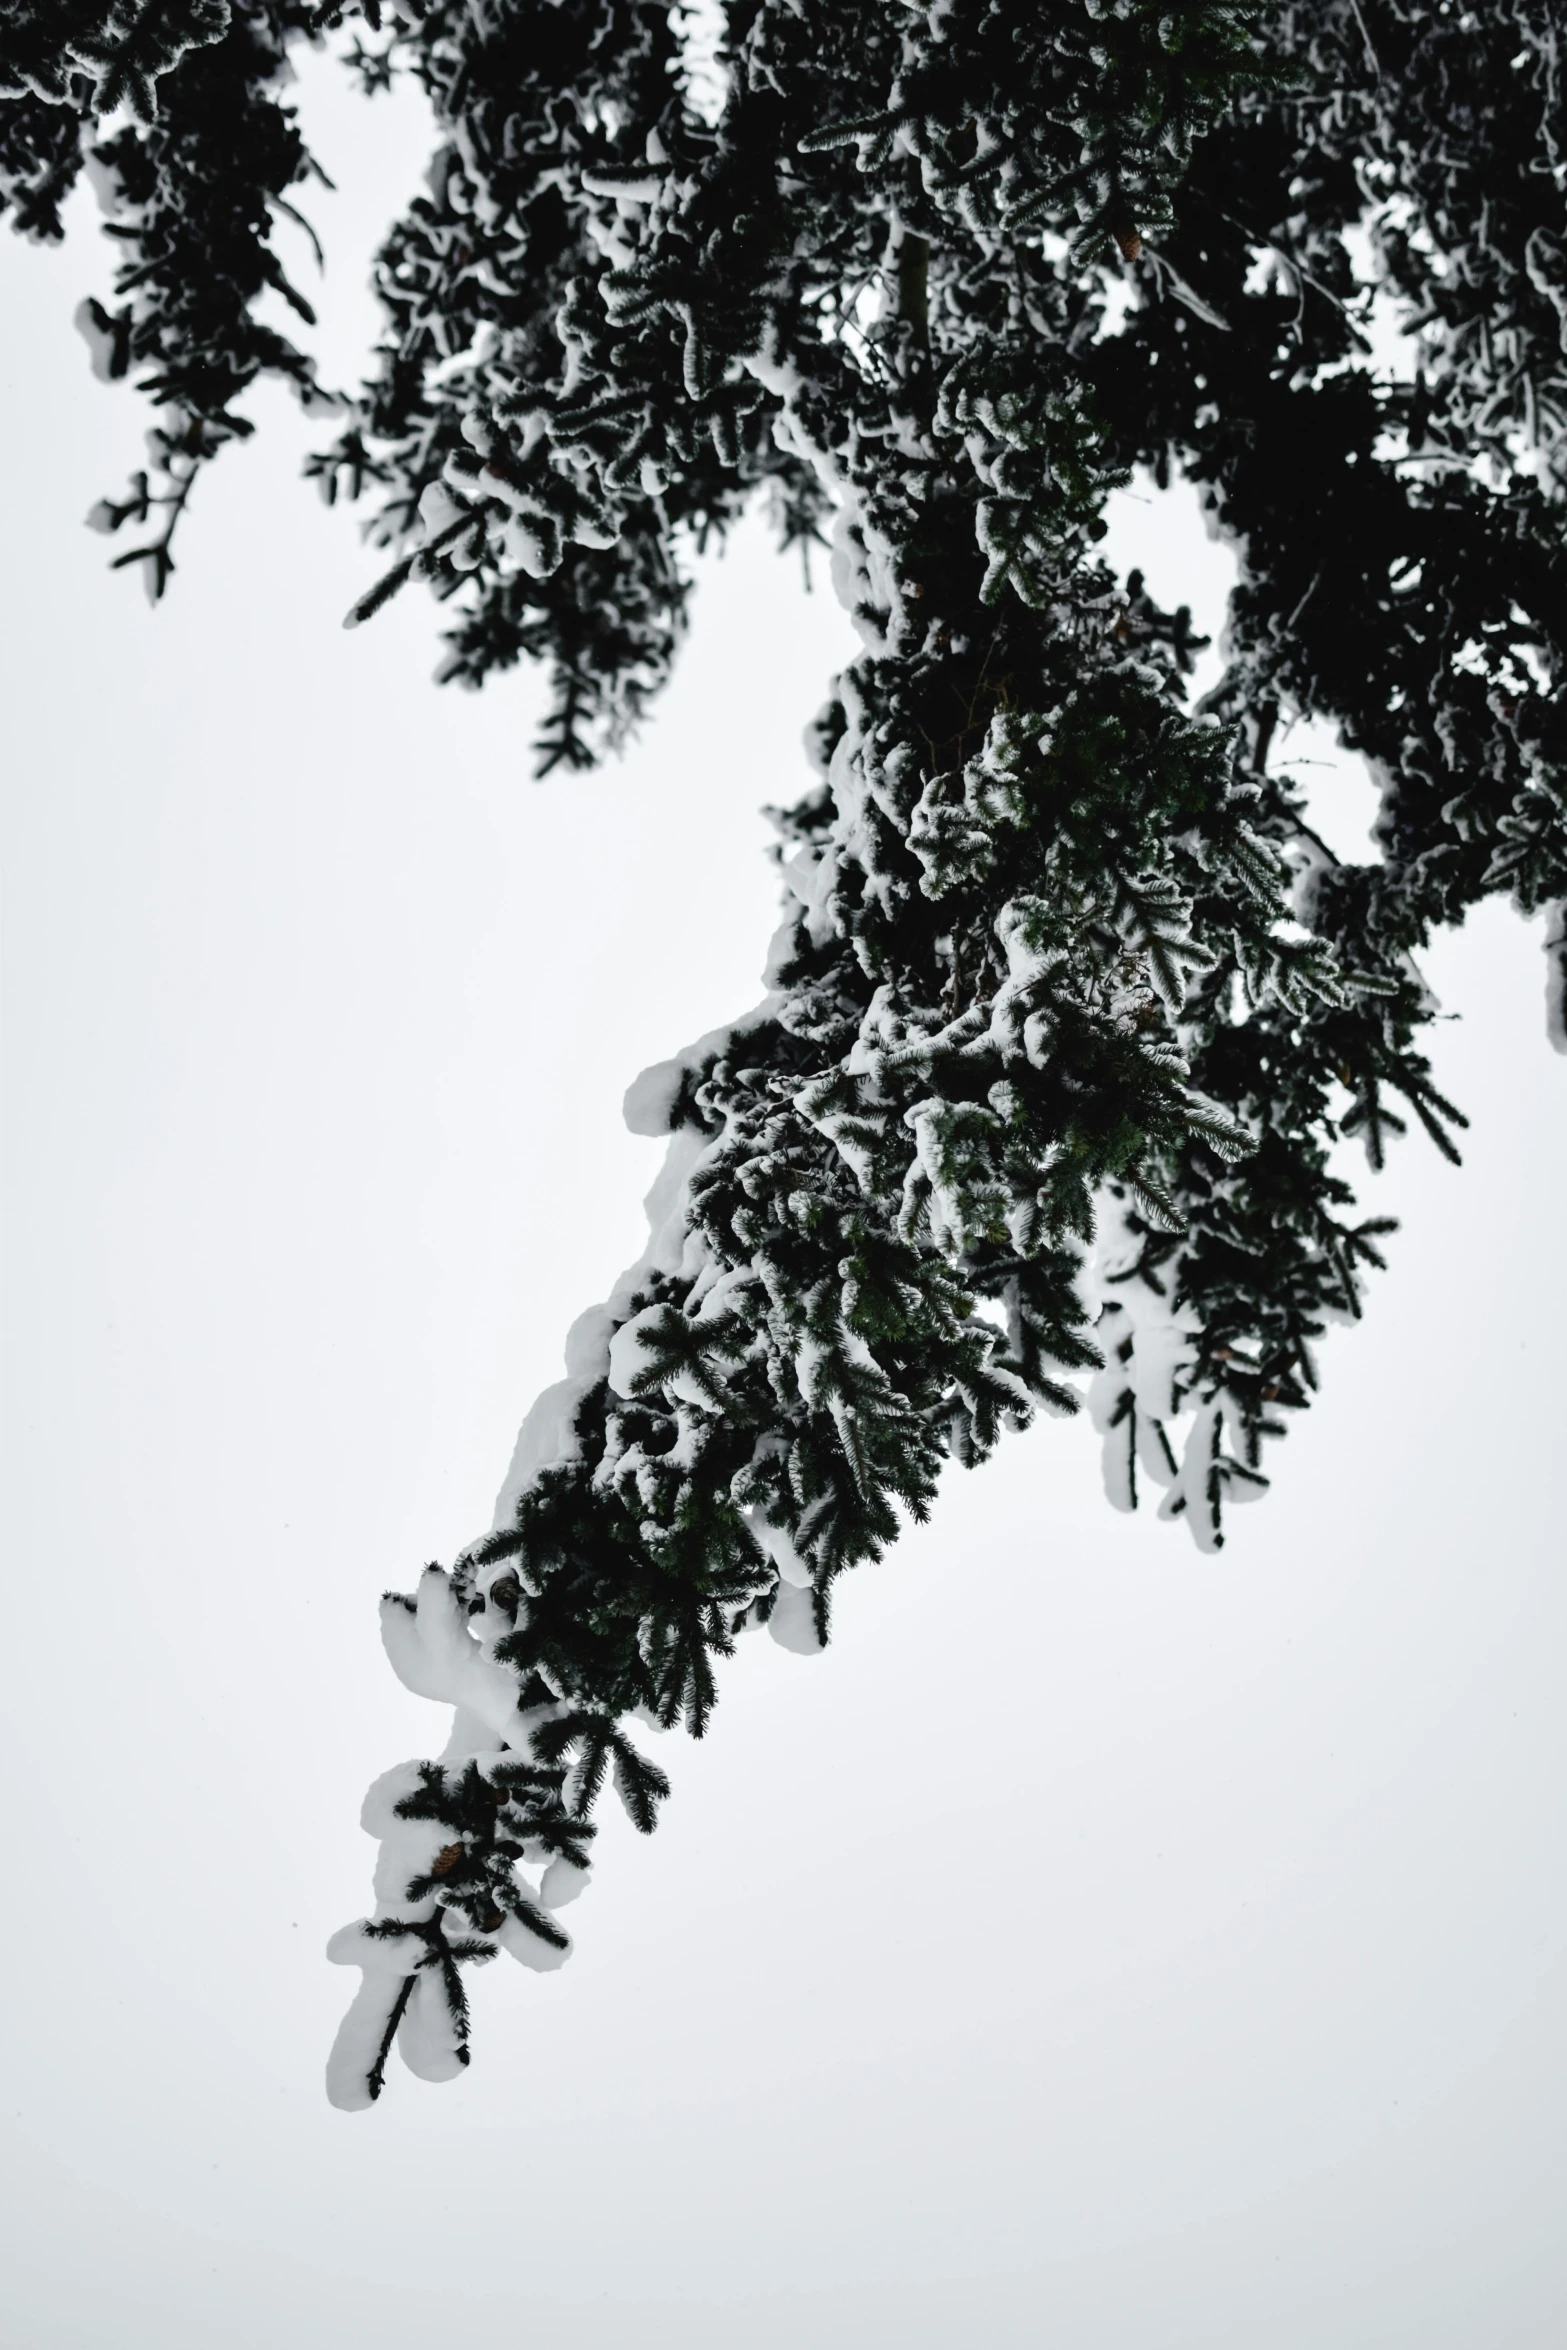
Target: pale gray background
1102,1946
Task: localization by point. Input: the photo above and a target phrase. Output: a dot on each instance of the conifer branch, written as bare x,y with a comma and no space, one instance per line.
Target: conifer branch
1071,1004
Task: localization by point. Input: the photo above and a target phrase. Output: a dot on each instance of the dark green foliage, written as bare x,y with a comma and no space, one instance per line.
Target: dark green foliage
1072,1005
40,159
65,51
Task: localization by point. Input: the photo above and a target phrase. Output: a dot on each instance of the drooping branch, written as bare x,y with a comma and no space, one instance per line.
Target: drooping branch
1069,1007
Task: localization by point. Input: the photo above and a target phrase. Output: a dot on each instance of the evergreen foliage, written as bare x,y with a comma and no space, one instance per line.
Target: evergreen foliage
1070,1004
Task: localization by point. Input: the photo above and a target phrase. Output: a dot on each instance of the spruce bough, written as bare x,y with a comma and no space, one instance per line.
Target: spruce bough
1070,1005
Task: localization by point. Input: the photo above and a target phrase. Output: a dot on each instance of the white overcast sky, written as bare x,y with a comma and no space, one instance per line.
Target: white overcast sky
1102,1946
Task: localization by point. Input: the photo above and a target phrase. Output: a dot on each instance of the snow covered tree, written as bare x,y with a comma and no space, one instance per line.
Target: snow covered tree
1070,1004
